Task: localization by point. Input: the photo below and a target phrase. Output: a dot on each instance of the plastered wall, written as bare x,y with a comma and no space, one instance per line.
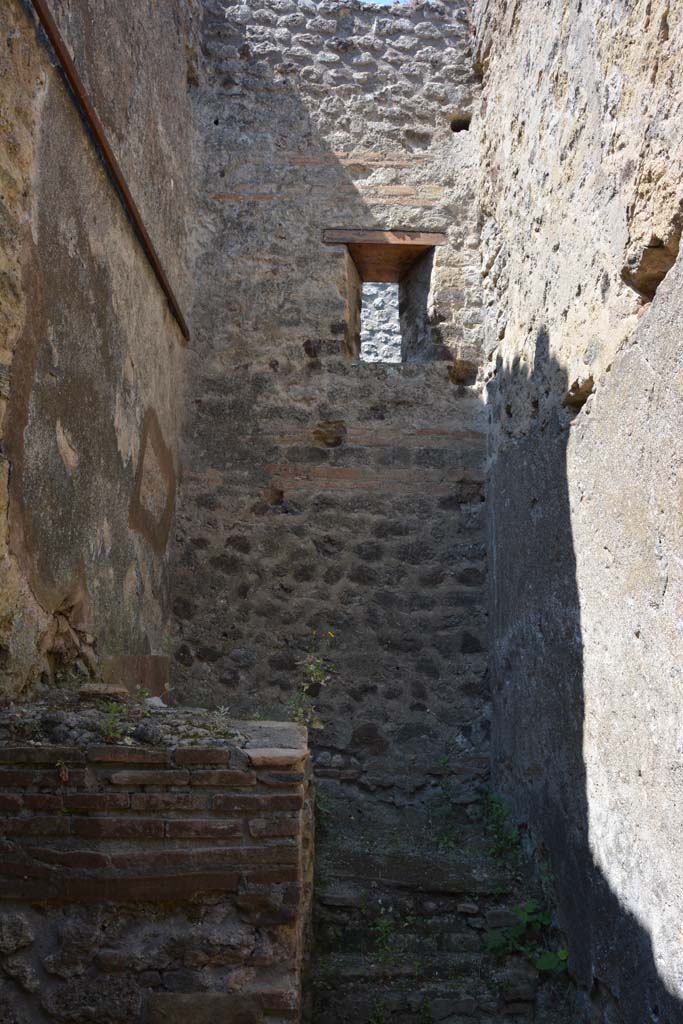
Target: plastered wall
580,193
90,356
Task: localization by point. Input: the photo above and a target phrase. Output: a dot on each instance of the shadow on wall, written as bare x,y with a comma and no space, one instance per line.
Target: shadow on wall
537,680
270,317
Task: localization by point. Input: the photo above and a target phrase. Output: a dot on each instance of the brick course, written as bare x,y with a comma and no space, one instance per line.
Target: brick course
217,860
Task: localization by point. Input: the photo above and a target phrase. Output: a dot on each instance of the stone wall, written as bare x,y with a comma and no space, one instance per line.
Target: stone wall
273,399
90,357
156,866
380,328
323,494
580,130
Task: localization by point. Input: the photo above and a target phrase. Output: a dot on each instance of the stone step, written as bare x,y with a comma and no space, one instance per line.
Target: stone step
407,937
402,870
467,988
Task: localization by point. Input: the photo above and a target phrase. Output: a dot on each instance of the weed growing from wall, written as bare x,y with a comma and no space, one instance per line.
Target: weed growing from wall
529,937
113,723
505,838
317,671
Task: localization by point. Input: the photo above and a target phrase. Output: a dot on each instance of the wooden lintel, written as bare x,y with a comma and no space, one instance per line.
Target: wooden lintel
376,236
384,255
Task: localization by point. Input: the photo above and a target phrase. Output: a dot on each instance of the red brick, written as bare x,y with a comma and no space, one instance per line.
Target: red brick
85,860
15,863
36,825
275,757
203,858
201,755
41,755
142,888
227,803
173,777
271,876
160,802
128,755
271,1000
117,828
88,802
24,880
43,802
25,778
293,779
222,778
184,828
292,894
263,909
269,827
9,804
26,890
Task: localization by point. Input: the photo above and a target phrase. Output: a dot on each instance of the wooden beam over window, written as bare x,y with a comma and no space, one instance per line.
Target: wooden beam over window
384,255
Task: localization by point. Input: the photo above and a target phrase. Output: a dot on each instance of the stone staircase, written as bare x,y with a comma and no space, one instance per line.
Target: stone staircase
402,937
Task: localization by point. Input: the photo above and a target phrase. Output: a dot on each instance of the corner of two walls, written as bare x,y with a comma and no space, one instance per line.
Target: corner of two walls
91,361
580,199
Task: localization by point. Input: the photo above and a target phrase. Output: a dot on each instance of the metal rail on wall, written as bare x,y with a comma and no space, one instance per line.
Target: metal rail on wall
95,125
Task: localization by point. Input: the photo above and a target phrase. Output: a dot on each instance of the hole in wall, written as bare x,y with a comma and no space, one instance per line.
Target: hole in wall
646,268
461,123
578,394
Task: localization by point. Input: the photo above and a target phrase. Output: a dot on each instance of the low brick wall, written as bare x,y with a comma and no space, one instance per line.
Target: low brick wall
153,882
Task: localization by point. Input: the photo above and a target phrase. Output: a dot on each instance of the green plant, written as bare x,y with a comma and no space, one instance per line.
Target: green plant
113,727
547,878
384,928
387,928
379,1015
317,671
505,838
529,936
444,821
323,808
302,710
426,1015
553,961
448,841
221,718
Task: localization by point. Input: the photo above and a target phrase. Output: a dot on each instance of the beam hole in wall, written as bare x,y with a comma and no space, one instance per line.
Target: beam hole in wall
388,279
461,123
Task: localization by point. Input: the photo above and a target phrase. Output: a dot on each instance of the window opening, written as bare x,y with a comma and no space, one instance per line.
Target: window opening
388,275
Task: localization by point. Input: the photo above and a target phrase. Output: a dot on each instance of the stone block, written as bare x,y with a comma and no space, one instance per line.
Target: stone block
15,932
203,1008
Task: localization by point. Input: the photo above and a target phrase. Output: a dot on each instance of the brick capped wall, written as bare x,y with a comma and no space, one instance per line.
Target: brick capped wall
153,883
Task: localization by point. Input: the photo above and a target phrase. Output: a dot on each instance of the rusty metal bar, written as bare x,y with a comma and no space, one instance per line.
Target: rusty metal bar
94,123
